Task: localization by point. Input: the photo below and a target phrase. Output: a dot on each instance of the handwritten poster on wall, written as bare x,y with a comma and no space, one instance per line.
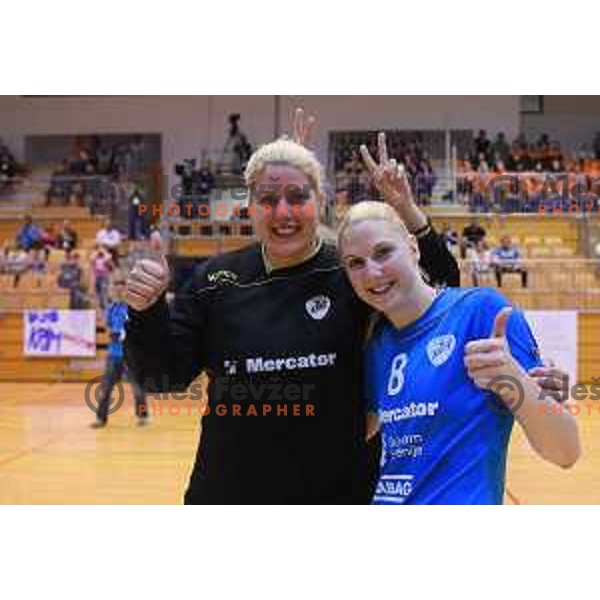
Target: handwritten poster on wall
556,333
51,332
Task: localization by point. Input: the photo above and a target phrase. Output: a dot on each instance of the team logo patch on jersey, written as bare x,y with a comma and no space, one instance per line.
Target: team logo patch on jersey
440,349
318,307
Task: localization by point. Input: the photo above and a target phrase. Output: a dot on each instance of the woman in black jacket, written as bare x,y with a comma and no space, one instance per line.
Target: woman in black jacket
280,334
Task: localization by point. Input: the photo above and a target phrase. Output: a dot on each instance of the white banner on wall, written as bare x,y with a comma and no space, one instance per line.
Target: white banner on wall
51,332
556,333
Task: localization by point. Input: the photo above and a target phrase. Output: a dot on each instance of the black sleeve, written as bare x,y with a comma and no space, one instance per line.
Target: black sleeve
437,261
164,345
373,452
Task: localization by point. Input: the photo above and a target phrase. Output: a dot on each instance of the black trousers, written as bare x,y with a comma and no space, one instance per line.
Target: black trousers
500,270
113,373
358,488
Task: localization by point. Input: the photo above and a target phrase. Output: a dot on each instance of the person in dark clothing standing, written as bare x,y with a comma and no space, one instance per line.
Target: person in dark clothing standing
116,316
472,234
67,238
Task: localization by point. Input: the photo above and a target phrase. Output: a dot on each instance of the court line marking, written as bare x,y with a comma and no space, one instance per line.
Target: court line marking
28,450
513,497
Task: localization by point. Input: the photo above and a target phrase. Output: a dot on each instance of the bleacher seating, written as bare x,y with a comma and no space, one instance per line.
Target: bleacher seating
559,275
33,293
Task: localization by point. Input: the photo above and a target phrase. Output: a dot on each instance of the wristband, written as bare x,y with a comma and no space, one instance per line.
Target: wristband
422,231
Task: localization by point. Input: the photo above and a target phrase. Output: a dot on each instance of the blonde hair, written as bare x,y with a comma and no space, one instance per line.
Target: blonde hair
377,211
285,151
368,211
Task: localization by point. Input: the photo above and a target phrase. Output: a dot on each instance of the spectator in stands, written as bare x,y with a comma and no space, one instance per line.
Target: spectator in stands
521,141
30,235
543,142
104,156
237,147
597,146
481,261
16,264
471,235
483,168
101,266
474,232
529,161
8,166
198,188
137,220
552,158
137,156
70,277
465,180
424,180
584,153
74,180
482,146
353,179
480,183
77,196
60,185
117,163
205,181
450,236
82,164
578,185
109,237
506,258
518,159
500,148
37,265
103,195
353,182
49,240
4,256
67,238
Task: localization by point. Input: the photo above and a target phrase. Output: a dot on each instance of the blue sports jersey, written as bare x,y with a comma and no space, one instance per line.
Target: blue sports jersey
442,441
116,317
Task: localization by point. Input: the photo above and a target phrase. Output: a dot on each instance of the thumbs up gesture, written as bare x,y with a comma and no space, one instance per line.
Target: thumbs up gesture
489,361
149,277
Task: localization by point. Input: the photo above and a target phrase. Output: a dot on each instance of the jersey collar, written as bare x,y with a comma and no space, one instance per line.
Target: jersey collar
269,268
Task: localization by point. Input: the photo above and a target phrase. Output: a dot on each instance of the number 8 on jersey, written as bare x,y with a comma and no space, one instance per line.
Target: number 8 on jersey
396,380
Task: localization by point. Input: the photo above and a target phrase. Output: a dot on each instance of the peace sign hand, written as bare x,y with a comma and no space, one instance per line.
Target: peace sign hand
303,128
388,176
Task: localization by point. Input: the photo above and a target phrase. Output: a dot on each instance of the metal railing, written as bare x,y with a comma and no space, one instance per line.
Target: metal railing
556,283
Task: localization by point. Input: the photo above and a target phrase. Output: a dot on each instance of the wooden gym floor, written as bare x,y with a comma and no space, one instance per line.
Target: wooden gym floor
49,455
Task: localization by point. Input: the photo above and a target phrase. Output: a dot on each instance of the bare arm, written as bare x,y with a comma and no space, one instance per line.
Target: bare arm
162,344
390,179
550,429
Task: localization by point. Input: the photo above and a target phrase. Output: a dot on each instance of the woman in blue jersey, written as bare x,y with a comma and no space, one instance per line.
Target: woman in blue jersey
447,373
